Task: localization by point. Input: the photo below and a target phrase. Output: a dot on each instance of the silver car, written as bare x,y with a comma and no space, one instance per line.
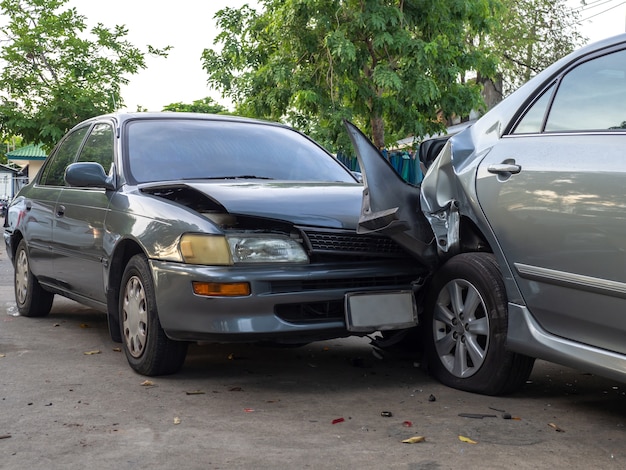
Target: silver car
188,227
521,219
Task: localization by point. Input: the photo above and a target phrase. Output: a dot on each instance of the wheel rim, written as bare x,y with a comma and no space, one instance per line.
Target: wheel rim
21,277
461,328
135,315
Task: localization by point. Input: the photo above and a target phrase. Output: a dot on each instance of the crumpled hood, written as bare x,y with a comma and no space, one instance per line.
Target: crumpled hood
323,204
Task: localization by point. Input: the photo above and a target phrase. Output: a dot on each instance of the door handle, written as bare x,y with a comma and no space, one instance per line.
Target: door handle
29,205
60,211
504,168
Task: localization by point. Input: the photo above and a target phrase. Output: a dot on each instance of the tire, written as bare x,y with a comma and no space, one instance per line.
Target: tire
32,300
148,350
465,328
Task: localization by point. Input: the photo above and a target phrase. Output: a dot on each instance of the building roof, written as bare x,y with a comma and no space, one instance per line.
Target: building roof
30,152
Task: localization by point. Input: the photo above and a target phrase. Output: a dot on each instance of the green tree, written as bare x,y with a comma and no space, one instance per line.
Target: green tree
398,65
531,35
56,73
205,105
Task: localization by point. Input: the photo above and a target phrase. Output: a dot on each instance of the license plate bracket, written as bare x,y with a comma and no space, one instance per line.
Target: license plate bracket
380,311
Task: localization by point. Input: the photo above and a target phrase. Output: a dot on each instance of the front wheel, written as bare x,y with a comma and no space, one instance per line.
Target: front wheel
465,328
148,350
32,300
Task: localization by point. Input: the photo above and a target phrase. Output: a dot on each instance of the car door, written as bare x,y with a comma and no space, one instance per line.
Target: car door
39,207
553,193
79,223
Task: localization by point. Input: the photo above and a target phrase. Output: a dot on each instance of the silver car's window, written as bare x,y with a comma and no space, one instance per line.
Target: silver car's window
591,97
161,150
53,173
98,147
532,122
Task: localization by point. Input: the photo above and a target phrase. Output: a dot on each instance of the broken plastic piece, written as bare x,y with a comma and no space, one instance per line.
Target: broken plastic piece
338,420
432,398
407,424
414,440
386,414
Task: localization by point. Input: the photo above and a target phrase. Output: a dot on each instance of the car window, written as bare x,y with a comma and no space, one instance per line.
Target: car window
162,149
53,173
98,147
591,97
532,122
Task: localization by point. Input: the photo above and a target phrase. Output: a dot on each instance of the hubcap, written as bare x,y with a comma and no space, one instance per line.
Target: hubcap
135,316
21,277
461,328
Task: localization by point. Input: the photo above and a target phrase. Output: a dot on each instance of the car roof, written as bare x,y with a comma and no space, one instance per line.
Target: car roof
121,117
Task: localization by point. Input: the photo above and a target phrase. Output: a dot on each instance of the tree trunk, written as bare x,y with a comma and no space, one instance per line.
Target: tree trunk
378,131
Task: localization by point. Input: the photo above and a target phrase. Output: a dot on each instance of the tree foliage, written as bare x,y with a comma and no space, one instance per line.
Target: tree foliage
398,65
205,105
531,35
56,73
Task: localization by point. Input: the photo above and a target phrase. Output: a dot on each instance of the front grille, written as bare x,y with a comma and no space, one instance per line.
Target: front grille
281,287
346,242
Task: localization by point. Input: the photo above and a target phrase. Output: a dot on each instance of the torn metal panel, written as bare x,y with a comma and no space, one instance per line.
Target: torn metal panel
391,206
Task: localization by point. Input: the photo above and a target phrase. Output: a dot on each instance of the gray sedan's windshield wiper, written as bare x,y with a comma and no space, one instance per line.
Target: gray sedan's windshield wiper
237,177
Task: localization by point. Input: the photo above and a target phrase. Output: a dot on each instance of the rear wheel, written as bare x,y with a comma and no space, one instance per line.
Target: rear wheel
465,328
148,350
32,299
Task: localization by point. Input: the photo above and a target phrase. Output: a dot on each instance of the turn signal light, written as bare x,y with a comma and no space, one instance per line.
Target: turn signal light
219,289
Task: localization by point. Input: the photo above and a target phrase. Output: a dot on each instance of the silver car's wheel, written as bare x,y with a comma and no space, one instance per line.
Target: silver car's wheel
461,328
135,315
465,328
32,299
148,349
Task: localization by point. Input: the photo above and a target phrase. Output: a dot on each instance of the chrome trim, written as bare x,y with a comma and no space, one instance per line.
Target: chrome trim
572,280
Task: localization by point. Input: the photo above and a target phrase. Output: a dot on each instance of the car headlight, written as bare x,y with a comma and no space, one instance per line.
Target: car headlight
240,249
265,249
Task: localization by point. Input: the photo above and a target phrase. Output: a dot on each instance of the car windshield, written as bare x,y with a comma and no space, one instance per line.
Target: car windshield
175,149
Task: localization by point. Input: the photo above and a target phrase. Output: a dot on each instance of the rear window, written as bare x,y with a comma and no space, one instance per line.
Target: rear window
162,150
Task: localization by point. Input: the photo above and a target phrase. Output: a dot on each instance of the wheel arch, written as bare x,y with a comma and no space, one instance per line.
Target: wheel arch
123,252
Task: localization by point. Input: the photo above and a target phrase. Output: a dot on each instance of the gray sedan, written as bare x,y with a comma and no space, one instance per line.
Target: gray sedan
185,227
521,219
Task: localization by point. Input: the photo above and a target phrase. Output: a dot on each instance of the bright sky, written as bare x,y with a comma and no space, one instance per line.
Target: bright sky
186,25
189,27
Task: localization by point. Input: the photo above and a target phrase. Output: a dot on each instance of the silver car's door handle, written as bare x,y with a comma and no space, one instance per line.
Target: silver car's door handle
60,211
504,168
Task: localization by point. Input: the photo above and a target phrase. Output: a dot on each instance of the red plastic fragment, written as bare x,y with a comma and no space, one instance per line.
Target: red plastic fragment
338,420
407,424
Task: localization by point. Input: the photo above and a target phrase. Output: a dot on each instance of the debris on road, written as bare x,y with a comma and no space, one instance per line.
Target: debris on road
91,353
386,414
477,415
414,440
147,383
556,428
467,439
338,420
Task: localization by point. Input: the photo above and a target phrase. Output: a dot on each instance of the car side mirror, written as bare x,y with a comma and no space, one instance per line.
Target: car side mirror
88,175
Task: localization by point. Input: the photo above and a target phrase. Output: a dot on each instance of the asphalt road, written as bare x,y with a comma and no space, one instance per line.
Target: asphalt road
68,400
